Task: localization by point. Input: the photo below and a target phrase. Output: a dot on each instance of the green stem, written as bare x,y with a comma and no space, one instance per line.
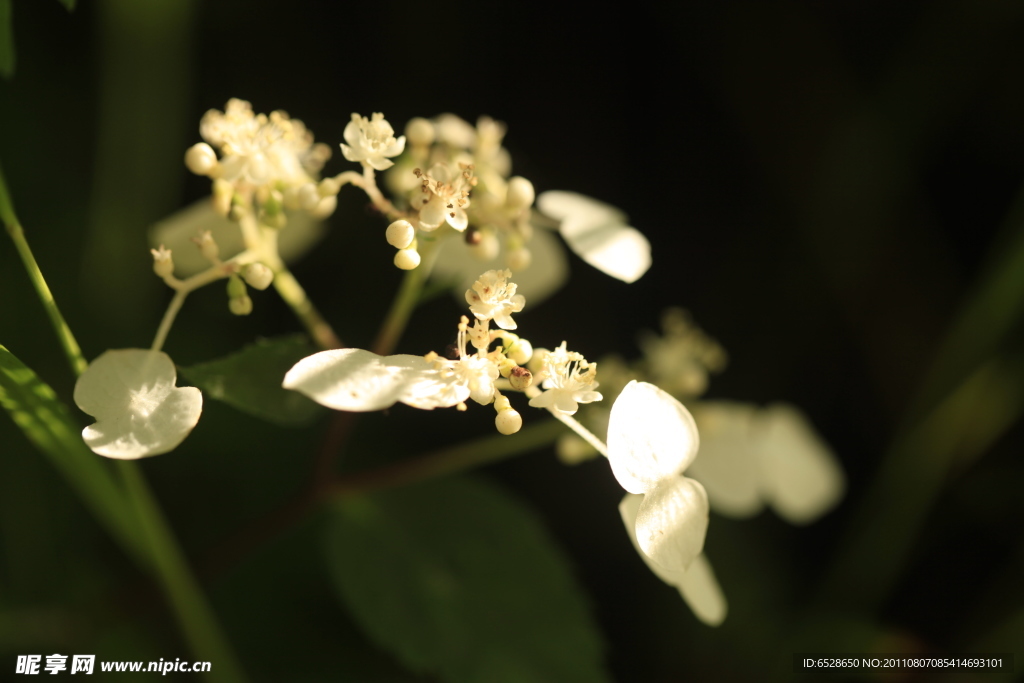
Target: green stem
295,296
194,615
14,229
405,301
465,456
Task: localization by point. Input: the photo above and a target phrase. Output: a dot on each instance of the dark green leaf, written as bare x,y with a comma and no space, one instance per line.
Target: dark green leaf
250,380
48,424
6,40
69,5
461,581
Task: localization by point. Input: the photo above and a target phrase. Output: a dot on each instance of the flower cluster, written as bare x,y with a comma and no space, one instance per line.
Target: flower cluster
487,362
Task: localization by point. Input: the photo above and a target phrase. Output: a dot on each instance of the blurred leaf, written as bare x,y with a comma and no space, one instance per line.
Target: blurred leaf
48,424
6,40
250,380
68,4
460,580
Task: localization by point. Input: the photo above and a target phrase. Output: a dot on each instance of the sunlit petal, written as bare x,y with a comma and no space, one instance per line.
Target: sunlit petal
672,522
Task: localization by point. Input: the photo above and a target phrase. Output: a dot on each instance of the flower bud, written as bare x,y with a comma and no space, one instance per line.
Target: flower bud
487,248
325,207
236,288
520,193
209,248
240,305
520,378
328,187
400,234
163,264
407,259
258,275
521,351
201,159
518,259
308,197
419,131
508,421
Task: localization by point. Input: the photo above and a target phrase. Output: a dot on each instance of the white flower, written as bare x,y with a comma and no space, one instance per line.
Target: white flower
257,149
568,381
679,361
598,234
652,439
138,409
371,141
444,197
493,297
751,457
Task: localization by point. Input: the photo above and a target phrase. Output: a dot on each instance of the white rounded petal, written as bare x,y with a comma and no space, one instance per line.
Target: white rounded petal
697,584
357,380
138,409
802,478
651,437
598,234
671,523
433,213
701,591
379,163
298,236
727,463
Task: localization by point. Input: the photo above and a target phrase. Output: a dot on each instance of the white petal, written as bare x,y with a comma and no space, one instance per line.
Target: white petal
651,437
671,523
598,234
176,231
138,409
701,591
379,163
547,272
434,213
357,380
727,463
802,478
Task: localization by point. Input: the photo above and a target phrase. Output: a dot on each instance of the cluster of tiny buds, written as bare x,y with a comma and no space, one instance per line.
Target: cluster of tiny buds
257,276
402,236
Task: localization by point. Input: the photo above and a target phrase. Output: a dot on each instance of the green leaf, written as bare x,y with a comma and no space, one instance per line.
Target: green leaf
461,581
48,424
69,5
250,380
6,40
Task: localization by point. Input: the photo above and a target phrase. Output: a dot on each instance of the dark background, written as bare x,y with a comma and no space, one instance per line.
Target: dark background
823,185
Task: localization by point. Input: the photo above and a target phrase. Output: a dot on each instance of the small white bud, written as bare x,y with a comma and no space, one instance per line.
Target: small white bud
407,259
536,362
518,259
400,234
328,187
258,275
521,351
208,247
241,305
419,131
201,159
308,197
508,421
487,248
520,193
163,264
325,207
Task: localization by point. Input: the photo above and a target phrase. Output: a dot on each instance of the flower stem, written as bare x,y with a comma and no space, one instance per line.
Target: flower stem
405,301
192,611
67,340
168,319
457,458
295,296
195,617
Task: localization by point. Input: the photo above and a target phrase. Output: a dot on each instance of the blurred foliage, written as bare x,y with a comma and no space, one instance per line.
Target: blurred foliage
830,188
